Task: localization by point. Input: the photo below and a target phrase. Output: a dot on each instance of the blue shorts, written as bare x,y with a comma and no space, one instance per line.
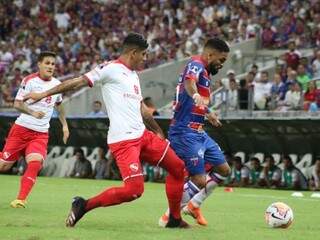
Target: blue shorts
196,150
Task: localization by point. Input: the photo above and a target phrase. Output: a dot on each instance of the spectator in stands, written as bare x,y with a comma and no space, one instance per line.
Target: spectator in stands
82,167
101,169
262,91
315,178
271,174
230,75
217,94
250,79
19,167
292,177
278,90
22,63
292,56
233,95
256,74
316,66
151,107
255,172
293,98
96,110
112,168
303,78
310,96
240,174
243,95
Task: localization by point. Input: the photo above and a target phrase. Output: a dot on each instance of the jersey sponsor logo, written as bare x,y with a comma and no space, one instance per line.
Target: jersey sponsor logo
193,69
201,153
132,96
134,167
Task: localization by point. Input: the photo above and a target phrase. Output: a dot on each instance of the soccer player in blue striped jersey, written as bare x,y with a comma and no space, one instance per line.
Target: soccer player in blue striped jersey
186,133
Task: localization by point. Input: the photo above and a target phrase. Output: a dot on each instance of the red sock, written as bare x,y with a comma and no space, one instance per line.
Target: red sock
174,181
28,179
132,189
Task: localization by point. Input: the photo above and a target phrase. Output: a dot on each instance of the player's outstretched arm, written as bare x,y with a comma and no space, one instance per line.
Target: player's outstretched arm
63,120
71,84
150,122
23,108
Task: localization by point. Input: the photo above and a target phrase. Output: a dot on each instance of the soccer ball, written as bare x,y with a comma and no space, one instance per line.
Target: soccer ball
279,215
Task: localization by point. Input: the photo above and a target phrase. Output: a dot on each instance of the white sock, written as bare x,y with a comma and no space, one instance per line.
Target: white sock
213,180
189,191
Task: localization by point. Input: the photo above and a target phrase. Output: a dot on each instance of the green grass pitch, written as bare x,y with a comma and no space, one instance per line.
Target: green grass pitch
238,215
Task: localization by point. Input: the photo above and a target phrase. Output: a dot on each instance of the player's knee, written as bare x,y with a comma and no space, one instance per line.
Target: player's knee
199,181
225,171
135,189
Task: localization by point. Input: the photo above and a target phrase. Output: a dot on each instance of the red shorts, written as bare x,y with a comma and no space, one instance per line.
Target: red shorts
24,141
149,148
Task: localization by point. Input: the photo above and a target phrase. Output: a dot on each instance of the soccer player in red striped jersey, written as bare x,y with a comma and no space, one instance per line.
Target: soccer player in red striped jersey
128,138
29,134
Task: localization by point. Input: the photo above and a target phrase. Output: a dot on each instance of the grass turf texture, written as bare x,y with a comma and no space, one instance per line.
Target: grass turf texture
238,215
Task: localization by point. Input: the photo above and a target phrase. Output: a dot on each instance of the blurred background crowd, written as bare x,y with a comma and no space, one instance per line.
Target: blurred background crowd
84,34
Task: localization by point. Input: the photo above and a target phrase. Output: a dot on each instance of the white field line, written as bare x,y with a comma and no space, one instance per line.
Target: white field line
269,196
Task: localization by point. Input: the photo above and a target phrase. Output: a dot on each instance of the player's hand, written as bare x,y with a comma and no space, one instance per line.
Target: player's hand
37,114
199,101
34,96
213,119
66,134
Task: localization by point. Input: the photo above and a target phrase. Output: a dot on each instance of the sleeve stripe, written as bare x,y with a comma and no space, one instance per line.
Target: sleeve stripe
90,82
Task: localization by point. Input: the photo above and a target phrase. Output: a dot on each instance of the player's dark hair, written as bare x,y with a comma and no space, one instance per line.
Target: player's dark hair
135,41
97,101
255,159
218,44
287,157
79,150
42,55
237,159
269,156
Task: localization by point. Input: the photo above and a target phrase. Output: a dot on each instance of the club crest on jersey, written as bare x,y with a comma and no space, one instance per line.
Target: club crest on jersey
201,153
136,89
6,155
134,167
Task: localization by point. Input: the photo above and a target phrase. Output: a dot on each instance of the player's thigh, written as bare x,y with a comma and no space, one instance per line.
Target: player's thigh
36,149
190,148
14,147
153,148
214,156
127,157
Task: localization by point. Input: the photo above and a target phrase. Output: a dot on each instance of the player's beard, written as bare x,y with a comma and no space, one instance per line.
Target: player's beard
212,69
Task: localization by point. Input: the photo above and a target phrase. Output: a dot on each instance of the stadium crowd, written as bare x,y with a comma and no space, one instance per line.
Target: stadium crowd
294,85
82,34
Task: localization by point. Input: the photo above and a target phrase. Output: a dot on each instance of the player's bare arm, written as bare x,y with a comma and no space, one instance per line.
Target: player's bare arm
213,119
191,88
72,84
23,108
150,122
62,119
